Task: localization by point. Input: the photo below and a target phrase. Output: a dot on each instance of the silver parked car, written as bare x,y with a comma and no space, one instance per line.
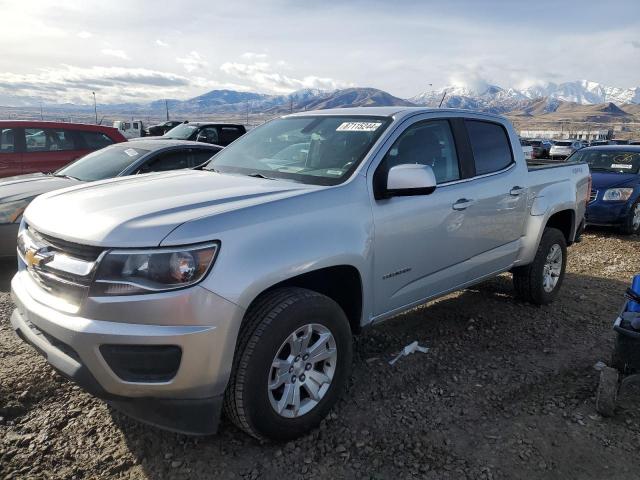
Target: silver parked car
238,286
117,160
564,148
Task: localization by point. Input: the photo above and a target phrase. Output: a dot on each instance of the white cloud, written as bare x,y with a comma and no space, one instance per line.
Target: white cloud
74,84
85,34
160,43
263,77
193,61
253,56
115,53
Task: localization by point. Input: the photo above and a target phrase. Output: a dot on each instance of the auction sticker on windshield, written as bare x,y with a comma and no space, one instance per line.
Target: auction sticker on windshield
622,165
358,126
131,152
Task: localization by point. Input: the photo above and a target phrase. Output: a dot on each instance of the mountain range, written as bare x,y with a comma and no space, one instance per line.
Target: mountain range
589,100
497,99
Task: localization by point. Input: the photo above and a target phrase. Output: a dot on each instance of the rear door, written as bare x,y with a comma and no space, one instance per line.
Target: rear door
497,197
11,140
48,149
228,134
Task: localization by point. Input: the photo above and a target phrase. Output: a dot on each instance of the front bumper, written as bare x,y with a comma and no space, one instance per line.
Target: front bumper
201,323
607,214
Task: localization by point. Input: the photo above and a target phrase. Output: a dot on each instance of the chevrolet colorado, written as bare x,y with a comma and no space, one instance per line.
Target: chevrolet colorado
237,286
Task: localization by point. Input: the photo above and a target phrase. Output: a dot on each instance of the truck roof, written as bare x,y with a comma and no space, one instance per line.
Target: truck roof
394,111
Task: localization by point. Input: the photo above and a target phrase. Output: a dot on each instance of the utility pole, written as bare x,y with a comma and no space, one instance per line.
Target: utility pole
166,106
291,104
41,116
247,113
95,106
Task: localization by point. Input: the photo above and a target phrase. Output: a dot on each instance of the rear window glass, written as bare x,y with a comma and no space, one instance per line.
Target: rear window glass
490,146
95,140
564,144
7,136
48,140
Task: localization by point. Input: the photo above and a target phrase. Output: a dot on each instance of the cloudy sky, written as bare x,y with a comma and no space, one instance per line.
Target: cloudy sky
142,50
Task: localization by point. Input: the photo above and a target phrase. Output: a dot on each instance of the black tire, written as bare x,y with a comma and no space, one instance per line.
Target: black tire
607,395
528,279
628,228
267,324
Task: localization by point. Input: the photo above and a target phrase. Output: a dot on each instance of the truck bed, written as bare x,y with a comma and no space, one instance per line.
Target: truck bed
541,164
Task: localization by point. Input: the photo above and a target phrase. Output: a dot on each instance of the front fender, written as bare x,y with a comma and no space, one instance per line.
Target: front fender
266,244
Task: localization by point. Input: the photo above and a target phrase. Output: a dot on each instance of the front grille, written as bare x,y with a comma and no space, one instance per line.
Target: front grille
61,268
593,196
84,252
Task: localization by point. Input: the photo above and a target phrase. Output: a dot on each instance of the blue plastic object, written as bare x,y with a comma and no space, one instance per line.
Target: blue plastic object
635,286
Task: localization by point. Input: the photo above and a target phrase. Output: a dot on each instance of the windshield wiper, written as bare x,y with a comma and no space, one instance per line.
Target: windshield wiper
259,175
64,176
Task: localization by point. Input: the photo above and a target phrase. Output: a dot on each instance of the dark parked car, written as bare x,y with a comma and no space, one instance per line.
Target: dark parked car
113,161
27,146
216,133
615,194
162,128
540,148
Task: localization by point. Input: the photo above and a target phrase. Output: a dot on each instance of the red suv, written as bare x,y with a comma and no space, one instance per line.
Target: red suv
27,147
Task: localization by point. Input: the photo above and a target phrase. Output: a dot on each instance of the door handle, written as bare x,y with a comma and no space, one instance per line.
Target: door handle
515,191
463,204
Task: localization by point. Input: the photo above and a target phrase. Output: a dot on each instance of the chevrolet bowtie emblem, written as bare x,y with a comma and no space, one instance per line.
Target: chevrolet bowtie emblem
35,258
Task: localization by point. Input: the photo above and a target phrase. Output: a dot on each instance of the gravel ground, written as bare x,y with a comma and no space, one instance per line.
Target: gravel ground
506,391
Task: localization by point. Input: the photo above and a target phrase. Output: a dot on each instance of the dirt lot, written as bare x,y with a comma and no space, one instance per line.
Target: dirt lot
507,391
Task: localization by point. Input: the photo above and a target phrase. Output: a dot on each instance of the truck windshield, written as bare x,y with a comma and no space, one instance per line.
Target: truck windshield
106,163
319,150
181,132
609,161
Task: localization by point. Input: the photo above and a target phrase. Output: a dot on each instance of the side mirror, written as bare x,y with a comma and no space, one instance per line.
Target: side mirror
410,179
201,137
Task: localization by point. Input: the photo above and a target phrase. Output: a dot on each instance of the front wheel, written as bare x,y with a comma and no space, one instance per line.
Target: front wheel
292,361
632,222
540,281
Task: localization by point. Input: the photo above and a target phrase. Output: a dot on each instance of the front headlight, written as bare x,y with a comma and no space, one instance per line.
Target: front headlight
11,211
131,272
617,194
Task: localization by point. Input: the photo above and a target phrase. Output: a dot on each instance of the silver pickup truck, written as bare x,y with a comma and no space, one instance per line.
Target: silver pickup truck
238,285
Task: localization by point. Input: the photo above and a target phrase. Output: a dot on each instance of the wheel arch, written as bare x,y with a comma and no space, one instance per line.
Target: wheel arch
563,220
341,283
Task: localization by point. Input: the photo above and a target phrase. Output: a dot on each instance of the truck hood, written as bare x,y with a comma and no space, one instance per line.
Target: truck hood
603,180
141,210
28,186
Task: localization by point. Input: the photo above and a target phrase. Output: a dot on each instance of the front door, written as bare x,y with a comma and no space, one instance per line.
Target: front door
419,240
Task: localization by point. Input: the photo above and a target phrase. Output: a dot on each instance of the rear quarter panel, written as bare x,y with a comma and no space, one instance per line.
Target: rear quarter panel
552,190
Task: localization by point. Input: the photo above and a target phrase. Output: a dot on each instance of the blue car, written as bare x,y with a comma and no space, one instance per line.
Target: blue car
615,194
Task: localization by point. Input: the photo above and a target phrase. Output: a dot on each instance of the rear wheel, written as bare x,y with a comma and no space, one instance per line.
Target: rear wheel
540,281
292,361
632,223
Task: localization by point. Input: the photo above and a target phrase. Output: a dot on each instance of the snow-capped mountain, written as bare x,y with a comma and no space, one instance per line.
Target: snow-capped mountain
584,92
495,98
